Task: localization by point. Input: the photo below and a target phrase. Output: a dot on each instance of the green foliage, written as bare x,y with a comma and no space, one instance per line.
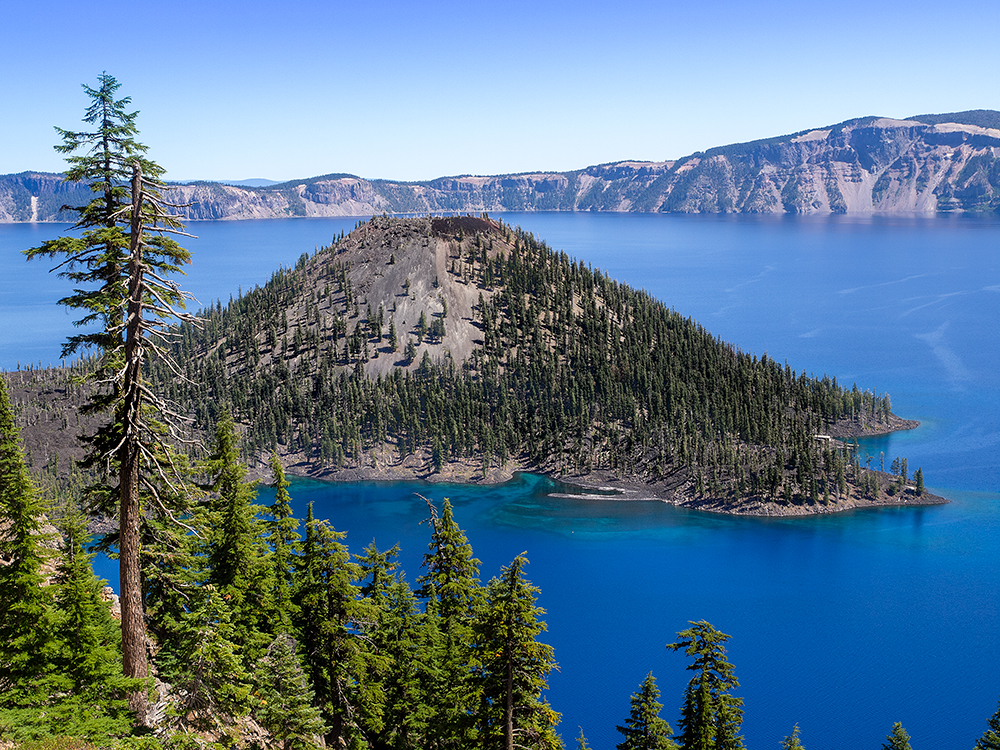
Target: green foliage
644,729
211,686
28,640
513,667
100,255
60,672
452,573
451,587
284,539
711,716
898,739
407,641
172,575
991,738
792,741
338,663
235,551
89,659
285,698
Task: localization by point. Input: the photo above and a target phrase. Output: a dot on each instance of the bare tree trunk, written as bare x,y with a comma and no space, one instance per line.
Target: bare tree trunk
134,662
133,620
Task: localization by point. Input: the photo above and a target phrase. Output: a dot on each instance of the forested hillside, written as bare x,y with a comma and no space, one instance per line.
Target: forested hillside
462,347
265,631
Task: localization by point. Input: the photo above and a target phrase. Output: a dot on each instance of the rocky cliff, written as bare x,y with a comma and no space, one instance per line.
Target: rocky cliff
923,164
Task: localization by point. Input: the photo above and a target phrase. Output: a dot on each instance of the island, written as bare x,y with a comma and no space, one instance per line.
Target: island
463,349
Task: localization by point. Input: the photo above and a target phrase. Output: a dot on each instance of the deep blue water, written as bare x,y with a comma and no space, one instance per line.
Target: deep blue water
841,624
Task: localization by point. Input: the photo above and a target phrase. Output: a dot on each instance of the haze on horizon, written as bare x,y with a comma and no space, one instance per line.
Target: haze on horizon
230,91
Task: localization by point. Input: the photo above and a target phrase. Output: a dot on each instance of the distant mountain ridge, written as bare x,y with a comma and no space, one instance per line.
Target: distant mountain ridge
924,164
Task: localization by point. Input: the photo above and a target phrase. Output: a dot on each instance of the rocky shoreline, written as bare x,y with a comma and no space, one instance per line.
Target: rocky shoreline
674,488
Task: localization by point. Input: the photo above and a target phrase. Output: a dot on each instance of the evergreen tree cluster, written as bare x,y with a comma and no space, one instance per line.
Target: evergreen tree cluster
249,618
574,372
60,657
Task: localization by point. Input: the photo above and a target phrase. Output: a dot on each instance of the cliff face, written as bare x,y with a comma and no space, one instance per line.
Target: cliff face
38,196
861,166
924,164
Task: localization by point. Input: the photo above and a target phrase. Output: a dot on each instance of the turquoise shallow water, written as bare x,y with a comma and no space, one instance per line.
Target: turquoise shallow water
842,624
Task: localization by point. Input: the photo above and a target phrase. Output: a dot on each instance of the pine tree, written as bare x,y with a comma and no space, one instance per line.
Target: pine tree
898,739
644,729
172,577
451,581
421,326
93,705
235,558
710,716
211,687
792,742
991,739
513,666
451,569
400,634
286,701
284,538
328,621
28,642
126,252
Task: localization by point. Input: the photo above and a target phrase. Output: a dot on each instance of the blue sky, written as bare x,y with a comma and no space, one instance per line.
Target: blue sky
413,91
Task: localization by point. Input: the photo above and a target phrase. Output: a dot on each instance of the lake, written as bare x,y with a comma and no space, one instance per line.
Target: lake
842,624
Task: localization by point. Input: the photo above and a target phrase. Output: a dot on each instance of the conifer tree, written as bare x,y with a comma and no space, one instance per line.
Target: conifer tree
235,558
792,741
452,571
211,686
898,739
172,573
93,704
283,536
286,701
645,729
28,642
399,633
452,581
126,254
991,739
710,716
328,615
513,666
